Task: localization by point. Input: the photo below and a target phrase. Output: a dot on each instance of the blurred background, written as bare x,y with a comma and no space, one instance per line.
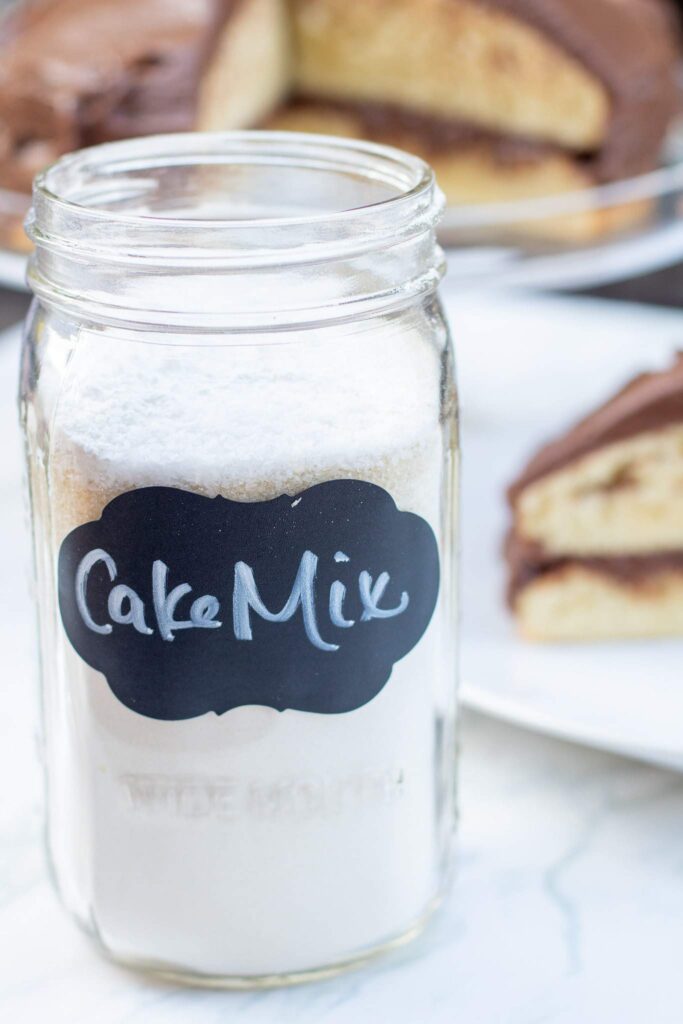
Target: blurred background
556,131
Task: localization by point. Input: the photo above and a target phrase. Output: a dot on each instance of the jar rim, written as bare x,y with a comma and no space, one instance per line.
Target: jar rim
232,147
108,220
79,189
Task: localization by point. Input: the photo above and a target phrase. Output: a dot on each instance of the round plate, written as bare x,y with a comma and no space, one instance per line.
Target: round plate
528,367
502,242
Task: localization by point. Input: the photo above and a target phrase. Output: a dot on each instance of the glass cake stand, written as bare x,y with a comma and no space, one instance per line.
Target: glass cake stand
516,244
520,244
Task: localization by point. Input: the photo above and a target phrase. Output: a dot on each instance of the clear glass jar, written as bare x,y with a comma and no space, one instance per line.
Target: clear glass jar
240,416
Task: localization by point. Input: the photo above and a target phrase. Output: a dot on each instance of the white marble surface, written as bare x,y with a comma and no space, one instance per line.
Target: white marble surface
568,907
568,903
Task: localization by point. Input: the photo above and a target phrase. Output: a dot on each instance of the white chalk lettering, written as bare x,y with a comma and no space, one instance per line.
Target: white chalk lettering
127,608
371,594
337,595
247,597
202,611
135,615
82,573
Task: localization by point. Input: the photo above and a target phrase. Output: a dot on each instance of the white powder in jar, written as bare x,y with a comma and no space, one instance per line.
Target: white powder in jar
256,841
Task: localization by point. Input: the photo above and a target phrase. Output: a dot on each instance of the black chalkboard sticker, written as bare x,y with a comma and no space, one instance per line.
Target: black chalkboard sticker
189,604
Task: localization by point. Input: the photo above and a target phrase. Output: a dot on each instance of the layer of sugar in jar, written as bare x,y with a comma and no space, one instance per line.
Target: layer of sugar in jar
257,841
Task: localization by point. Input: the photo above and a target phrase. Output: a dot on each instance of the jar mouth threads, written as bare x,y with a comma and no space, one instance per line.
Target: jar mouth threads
343,192
337,222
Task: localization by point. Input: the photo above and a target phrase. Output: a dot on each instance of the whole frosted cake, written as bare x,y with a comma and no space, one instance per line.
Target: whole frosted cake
506,98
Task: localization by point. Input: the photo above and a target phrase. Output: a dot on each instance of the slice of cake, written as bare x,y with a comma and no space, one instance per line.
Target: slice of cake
596,546
508,99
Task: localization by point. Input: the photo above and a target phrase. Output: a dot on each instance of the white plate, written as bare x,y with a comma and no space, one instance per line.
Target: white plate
528,367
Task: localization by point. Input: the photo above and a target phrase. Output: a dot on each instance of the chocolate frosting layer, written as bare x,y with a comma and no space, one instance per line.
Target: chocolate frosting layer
525,565
630,45
76,72
386,121
649,402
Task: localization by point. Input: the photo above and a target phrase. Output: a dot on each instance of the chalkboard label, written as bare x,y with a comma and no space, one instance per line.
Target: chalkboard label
189,604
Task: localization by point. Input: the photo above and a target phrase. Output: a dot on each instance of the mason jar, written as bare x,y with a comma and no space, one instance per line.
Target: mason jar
240,418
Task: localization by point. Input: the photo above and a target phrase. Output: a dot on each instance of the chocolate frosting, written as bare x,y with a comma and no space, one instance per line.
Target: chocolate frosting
630,45
649,402
397,125
76,72
526,564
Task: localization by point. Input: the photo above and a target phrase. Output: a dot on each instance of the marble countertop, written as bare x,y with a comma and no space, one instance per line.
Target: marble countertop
567,906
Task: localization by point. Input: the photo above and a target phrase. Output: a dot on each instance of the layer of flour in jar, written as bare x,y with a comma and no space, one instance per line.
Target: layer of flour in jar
254,842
